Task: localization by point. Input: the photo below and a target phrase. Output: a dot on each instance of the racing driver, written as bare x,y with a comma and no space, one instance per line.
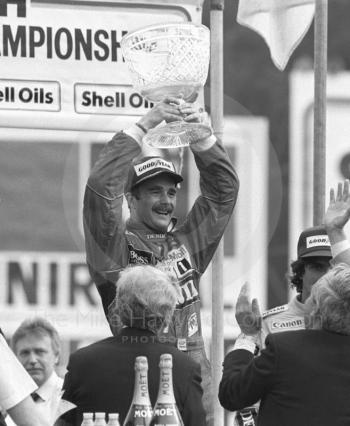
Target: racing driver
150,235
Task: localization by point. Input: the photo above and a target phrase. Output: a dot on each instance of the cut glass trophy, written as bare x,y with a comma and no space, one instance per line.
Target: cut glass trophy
169,60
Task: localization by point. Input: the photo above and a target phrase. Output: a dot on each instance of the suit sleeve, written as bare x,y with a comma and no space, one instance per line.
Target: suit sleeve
70,381
265,330
106,247
191,410
208,218
69,387
68,419
245,379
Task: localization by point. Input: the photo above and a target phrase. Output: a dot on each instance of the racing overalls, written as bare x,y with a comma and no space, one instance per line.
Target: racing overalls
283,318
184,253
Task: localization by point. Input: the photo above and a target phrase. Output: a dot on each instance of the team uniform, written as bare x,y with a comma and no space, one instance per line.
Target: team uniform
184,253
286,317
283,318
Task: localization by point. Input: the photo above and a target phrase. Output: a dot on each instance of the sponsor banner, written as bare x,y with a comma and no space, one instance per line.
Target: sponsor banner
65,57
53,285
108,99
46,280
30,95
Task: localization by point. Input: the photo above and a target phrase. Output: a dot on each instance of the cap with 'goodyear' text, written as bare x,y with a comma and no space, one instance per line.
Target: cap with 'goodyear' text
314,242
149,167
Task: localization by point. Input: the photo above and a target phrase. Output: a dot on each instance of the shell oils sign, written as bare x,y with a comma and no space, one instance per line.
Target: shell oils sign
61,62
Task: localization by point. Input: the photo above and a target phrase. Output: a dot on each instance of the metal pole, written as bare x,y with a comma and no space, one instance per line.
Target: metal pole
320,104
217,116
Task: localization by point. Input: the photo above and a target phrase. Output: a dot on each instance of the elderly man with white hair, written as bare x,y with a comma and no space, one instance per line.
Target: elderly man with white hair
100,377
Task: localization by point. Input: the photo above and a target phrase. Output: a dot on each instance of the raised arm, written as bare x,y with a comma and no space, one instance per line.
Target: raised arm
336,217
245,378
219,184
249,320
105,243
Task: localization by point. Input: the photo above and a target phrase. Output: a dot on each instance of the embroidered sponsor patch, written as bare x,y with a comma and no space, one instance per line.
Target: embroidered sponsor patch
275,310
188,293
246,417
153,163
317,241
298,323
182,344
139,257
155,236
177,263
192,324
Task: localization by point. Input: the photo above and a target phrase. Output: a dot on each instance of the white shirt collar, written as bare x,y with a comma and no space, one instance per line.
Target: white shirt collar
47,388
297,306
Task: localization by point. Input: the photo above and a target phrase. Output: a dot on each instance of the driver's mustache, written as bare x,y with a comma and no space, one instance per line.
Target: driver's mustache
168,208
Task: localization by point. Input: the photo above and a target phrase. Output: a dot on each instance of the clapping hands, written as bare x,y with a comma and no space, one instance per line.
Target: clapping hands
248,313
338,211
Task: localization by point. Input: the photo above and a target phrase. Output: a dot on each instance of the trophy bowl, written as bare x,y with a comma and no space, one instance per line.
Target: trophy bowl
169,60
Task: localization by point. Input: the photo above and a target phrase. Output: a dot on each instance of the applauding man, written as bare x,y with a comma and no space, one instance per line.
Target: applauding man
293,374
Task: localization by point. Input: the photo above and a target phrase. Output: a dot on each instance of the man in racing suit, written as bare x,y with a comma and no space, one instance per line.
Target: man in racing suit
314,256
149,236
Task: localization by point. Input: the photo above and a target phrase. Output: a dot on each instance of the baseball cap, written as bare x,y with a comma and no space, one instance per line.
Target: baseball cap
314,242
149,167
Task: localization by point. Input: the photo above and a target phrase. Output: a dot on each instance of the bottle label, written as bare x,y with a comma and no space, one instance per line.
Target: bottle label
166,415
139,415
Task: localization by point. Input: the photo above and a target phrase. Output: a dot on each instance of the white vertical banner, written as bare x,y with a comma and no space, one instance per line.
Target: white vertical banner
282,24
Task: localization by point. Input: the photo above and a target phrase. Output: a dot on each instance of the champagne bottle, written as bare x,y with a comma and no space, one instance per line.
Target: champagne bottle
88,419
113,419
100,419
140,411
165,411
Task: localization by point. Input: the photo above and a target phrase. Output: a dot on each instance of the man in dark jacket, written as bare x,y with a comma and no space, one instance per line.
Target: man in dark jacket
150,235
302,377
100,377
